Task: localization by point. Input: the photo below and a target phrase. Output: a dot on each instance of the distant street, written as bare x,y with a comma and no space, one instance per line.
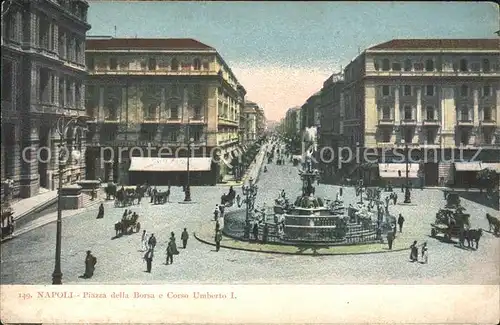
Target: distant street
29,259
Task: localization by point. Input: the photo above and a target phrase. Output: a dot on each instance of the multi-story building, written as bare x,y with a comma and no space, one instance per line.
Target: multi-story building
43,70
310,111
261,122
329,126
162,94
292,121
254,122
433,100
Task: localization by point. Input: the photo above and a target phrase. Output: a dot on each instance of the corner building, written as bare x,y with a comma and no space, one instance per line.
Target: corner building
435,96
43,73
160,95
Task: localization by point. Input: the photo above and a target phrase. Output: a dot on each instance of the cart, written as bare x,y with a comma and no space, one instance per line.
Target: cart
449,223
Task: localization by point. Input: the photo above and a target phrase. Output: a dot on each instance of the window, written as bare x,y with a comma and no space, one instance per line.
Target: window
429,110
376,65
386,135
7,72
487,114
418,66
196,135
408,112
429,90
62,102
196,64
44,85
150,112
464,65
90,63
464,137
386,90
152,64
206,65
464,114
174,65
429,65
174,112
78,51
172,135
386,113
407,65
486,65
113,64
408,135
77,95
487,136
486,90
396,66
62,44
464,91
407,90
386,65
197,112
43,33
431,136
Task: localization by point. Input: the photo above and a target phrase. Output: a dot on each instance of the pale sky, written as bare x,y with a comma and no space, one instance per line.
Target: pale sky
281,52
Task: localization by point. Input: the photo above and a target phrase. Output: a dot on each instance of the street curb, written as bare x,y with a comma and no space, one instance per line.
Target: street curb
297,254
24,230
37,208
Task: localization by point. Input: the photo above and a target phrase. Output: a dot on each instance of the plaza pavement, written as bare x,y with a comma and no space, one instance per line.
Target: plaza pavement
29,258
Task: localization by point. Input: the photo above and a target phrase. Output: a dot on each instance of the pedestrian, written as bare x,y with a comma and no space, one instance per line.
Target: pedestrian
216,212
148,257
402,188
152,242
90,262
218,239
425,253
144,241
414,252
265,233
100,214
170,254
341,191
184,238
401,220
153,197
217,226
173,244
395,198
390,239
256,231
221,209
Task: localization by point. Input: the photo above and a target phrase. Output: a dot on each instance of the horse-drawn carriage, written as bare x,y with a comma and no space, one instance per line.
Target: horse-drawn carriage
162,197
228,199
452,200
127,225
450,222
126,196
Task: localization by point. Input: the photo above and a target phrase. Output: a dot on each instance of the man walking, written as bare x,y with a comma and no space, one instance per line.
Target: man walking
170,254
152,242
390,239
153,196
216,212
148,257
401,220
218,239
90,262
221,209
144,241
184,238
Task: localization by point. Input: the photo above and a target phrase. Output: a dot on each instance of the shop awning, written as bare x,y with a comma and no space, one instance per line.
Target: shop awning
393,170
473,166
493,166
150,164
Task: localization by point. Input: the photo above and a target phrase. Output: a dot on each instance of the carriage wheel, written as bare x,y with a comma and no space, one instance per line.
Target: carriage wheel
138,227
433,232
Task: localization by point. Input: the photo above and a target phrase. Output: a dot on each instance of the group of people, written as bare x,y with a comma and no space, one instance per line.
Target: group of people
149,244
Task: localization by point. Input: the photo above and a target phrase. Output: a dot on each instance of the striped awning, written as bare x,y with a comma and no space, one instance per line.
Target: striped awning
493,166
473,166
150,164
394,170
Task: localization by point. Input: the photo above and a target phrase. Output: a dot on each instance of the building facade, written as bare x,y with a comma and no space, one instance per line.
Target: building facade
253,121
434,98
329,126
43,73
164,94
310,111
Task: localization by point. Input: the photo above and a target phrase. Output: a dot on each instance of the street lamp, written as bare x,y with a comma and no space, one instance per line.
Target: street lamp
407,188
187,192
61,128
250,193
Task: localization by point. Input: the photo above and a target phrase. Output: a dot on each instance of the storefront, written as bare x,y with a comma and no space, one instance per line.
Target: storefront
466,174
395,173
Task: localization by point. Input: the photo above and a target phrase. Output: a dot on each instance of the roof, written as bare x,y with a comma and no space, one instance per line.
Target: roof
427,44
146,44
150,164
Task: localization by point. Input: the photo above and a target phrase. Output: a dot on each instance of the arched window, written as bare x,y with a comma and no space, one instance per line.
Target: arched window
196,64
174,64
464,66
429,65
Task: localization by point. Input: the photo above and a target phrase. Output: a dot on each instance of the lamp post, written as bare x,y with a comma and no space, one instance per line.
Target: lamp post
61,128
407,188
250,193
187,192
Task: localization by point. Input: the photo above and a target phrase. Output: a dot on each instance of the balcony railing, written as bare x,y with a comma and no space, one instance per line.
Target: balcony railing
431,122
386,121
488,122
408,122
465,122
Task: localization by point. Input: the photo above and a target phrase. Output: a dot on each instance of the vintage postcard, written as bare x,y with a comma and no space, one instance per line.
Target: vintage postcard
250,162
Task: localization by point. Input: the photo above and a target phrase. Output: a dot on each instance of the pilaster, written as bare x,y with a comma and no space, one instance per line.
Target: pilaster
100,106
475,107
419,105
396,113
212,121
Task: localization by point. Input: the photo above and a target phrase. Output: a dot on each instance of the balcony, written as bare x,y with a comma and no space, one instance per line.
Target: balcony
174,119
150,120
408,122
488,123
431,122
386,121
465,123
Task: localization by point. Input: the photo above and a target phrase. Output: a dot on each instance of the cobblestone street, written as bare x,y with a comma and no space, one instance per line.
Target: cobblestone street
29,258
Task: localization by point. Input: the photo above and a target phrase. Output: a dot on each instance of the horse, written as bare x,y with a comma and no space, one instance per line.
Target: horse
493,223
473,235
162,197
227,198
110,190
120,197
